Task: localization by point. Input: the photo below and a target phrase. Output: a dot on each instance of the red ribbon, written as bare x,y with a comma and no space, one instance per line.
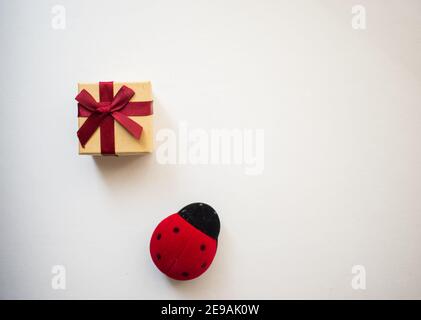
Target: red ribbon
103,113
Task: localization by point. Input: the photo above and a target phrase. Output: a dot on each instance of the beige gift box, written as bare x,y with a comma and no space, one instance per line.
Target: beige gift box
125,143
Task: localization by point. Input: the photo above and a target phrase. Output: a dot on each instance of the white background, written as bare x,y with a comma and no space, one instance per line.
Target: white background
342,119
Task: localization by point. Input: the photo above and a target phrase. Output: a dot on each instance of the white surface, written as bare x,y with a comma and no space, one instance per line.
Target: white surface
341,113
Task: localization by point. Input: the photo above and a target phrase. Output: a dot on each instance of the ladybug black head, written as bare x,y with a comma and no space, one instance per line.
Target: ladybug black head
203,217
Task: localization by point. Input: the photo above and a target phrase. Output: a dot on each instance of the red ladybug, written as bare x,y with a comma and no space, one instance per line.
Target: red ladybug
184,244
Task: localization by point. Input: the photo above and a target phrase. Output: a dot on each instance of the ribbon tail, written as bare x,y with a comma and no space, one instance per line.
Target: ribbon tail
131,126
89,127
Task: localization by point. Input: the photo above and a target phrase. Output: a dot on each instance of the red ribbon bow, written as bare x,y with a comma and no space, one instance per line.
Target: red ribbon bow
102,114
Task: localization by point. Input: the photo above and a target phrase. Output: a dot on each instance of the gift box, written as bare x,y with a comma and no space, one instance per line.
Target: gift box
115,118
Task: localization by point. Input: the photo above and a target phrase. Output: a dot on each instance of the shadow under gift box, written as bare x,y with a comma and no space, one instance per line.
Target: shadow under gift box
125,143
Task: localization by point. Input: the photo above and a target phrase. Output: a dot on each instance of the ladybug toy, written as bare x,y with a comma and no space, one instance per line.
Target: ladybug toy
184,244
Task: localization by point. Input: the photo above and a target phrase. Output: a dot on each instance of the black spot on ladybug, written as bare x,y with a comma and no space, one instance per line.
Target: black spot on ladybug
202,247
176,230
158,237
158,256
203,265
203,217
185,274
